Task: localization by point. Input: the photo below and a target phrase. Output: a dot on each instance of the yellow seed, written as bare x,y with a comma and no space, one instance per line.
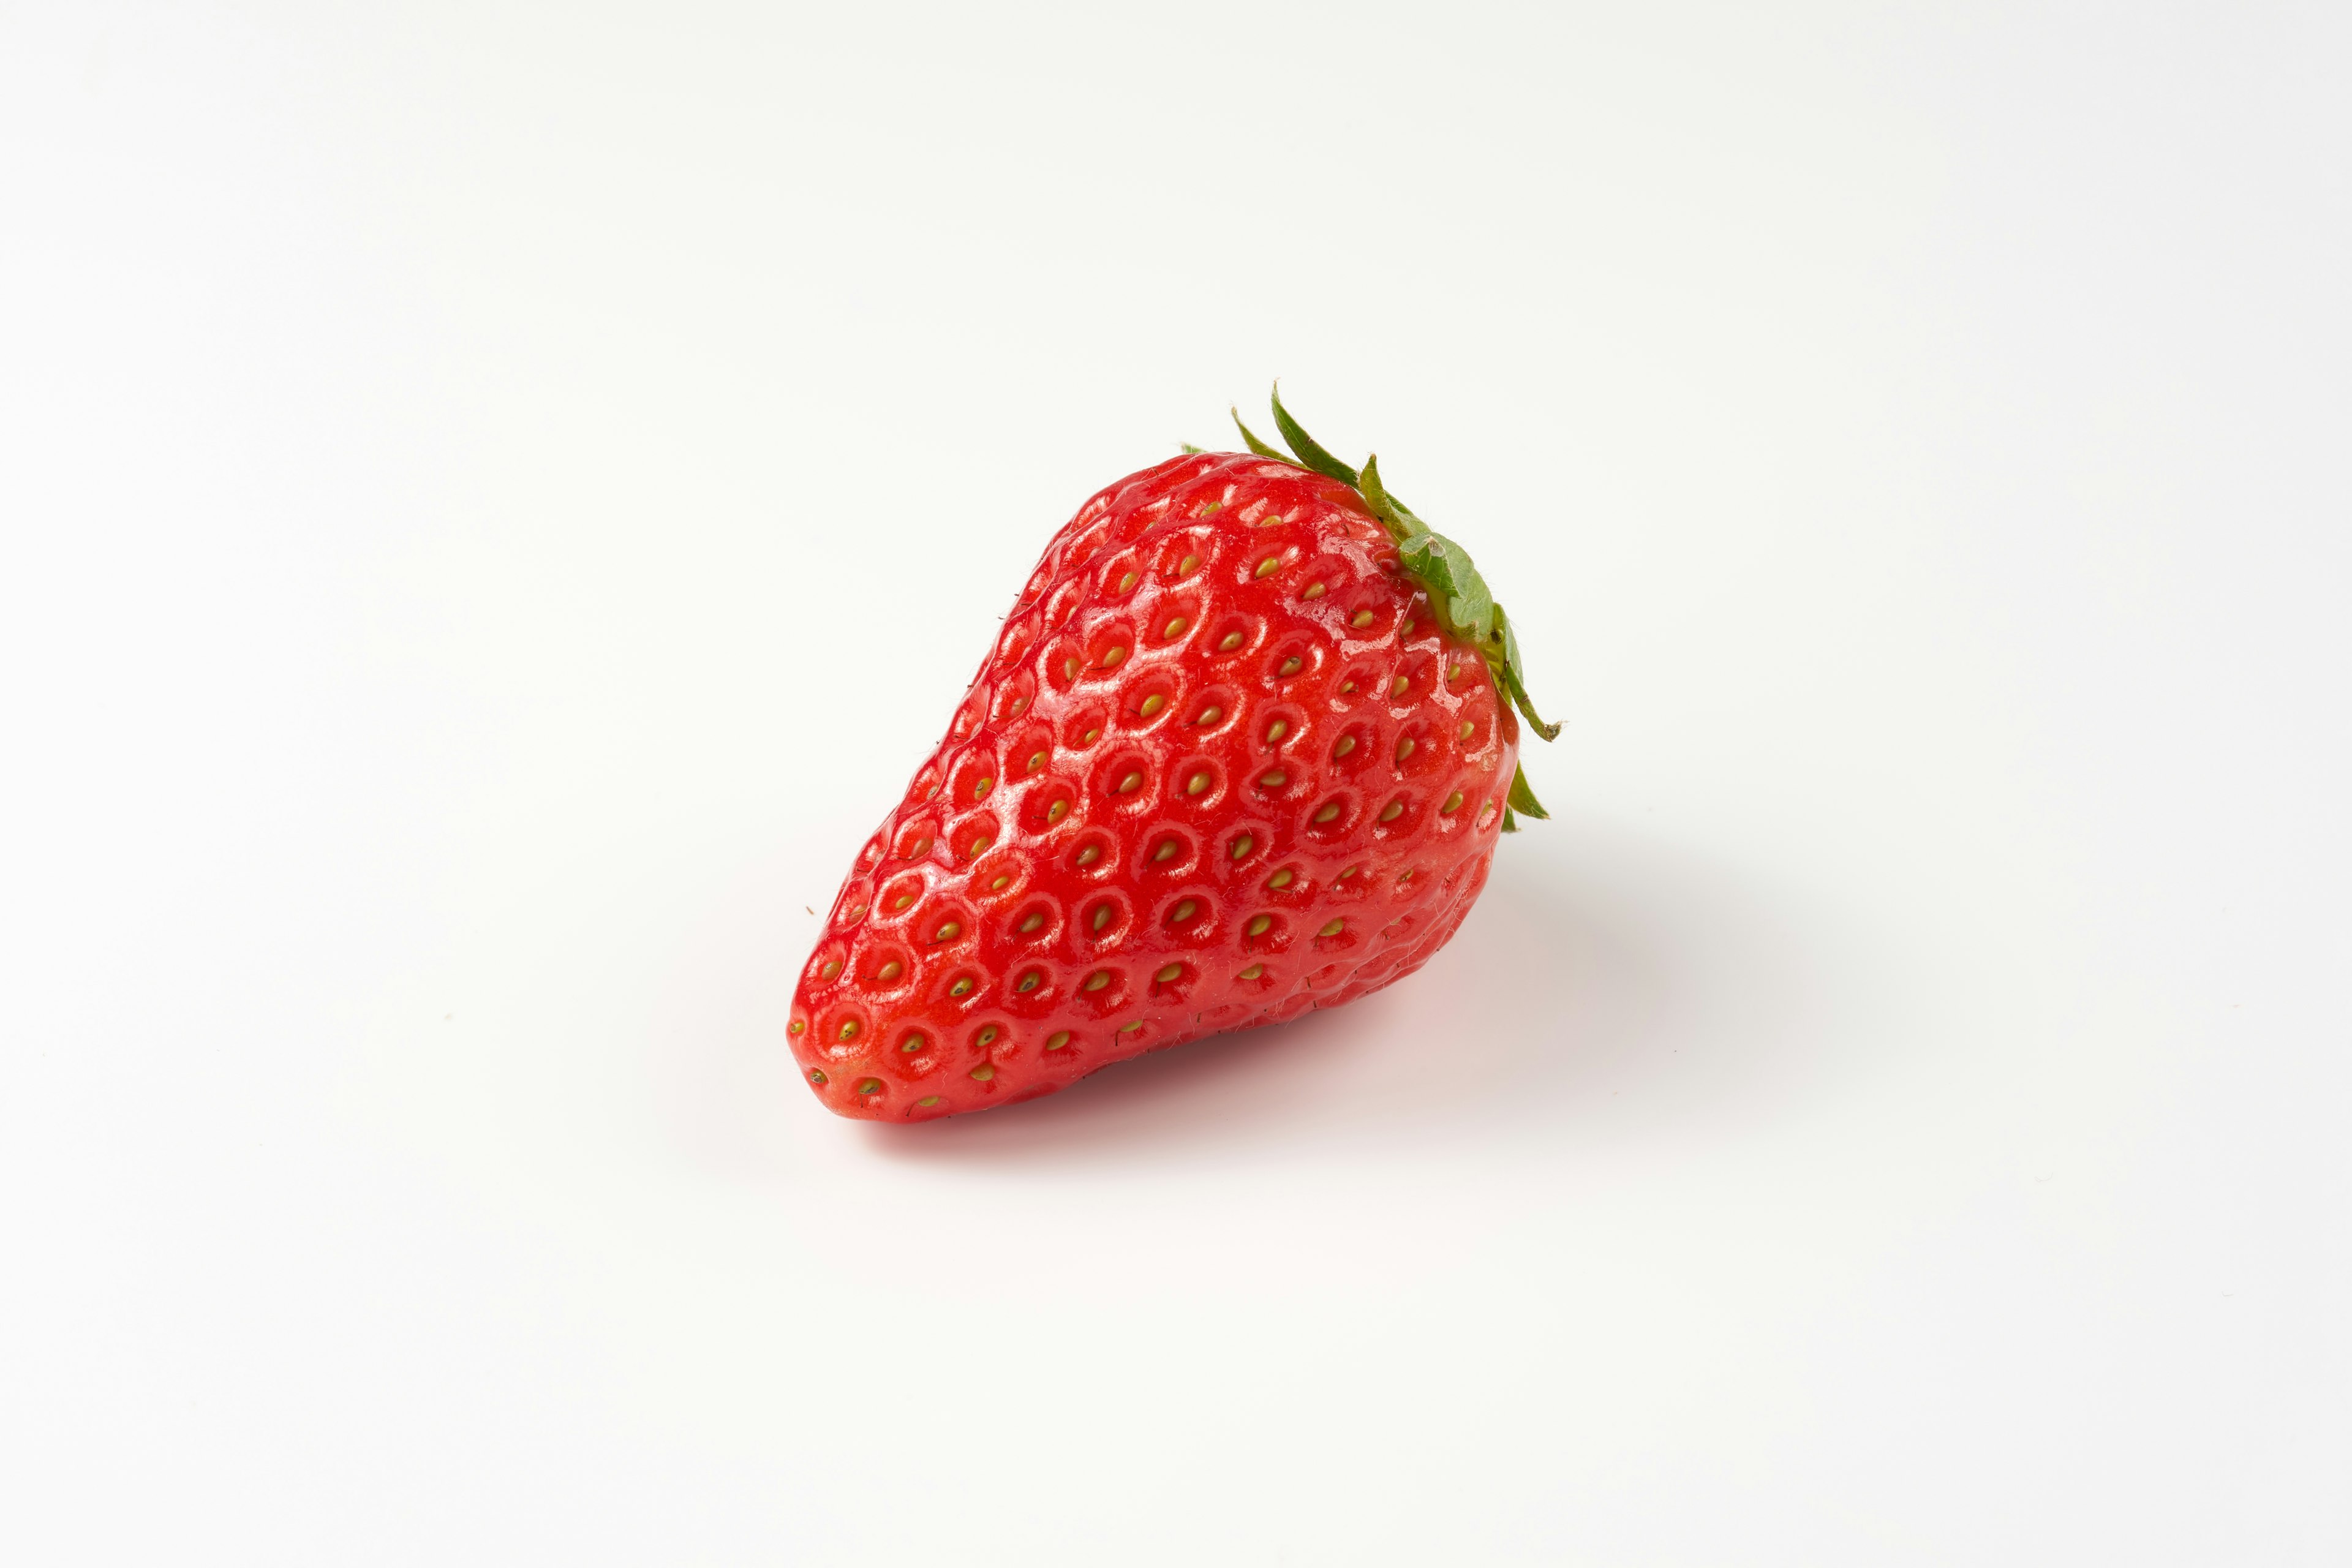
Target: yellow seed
1174,627
1400,686
1274,779
998,884
1099,979
1027,982
1346,687
988,1035
1466,727
1126,582
1257,927
869,1085
1153,704
1347,744
951,930
1242,846
1334,929
1406,631
1113,657
1282,878
1348,873
927,1101
1453,672
1069,669
980,790
1036,761
1277,731
1314,590
1169,973
1054,812
1126,784
1184,910
1166,850
1102,916
1210,714
798,1025
1253,971
1229,642
890,970
1088,738
1059,1039
1134,1028
1196,783
1392,811
980,847
1404,748
1184,567
1086,856
1360,619
911,1043
1290,666
833,965
849,1030
901,901
1268,565
1453,804
854,916
1031,923
922,848
1019,703
1328,812
960,988
816,1076
983,1072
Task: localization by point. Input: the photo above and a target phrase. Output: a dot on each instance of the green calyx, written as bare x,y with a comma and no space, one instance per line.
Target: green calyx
1440,565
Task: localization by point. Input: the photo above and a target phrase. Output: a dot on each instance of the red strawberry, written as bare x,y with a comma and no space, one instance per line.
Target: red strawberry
1243,749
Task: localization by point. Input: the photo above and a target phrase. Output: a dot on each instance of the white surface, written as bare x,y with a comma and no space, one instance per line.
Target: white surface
497,500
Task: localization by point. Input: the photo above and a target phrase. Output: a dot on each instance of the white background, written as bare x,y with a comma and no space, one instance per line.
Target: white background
496,499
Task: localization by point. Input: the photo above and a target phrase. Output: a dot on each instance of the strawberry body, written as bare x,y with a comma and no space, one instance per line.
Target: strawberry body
1223,765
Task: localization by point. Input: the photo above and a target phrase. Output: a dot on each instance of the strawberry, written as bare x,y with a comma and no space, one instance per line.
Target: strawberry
1242,749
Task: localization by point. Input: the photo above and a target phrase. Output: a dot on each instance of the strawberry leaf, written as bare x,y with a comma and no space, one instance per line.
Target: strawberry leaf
1260,448
1310,455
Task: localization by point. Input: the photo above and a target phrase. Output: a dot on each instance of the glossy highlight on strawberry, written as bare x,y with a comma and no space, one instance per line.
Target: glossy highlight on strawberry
1243,749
